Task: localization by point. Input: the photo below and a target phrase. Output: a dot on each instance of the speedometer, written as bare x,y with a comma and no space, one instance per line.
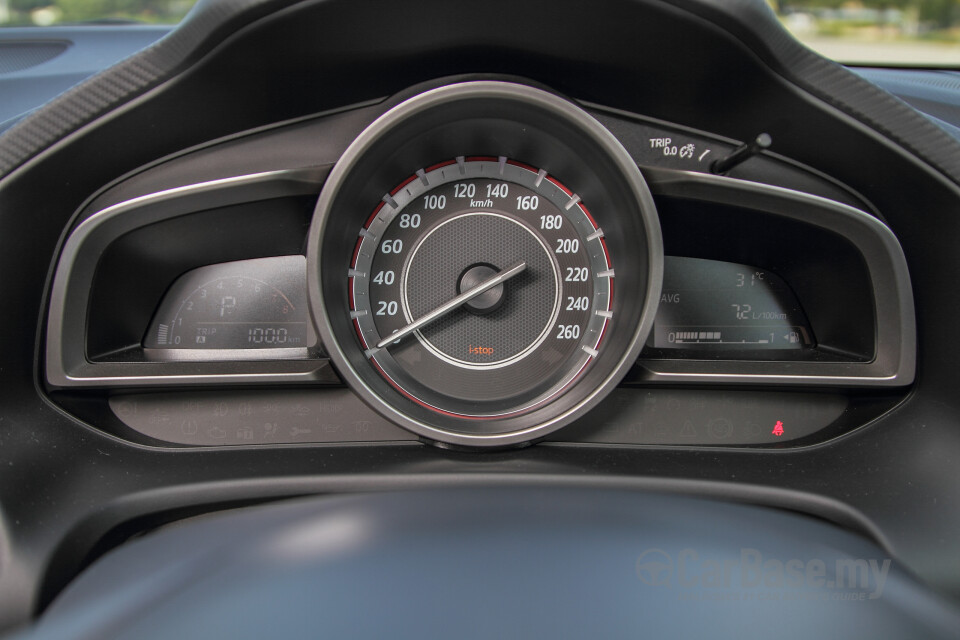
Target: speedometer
481,286
474,300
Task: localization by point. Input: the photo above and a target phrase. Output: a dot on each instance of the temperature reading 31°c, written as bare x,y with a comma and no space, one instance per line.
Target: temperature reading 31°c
707,305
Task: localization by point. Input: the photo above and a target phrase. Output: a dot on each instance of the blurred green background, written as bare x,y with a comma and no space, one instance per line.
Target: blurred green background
888,32
20,13
885,32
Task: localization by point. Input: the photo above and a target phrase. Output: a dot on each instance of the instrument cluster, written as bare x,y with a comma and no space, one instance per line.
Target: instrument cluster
483,265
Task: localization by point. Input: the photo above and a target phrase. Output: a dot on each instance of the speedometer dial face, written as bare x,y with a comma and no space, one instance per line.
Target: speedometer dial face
452,229
484,263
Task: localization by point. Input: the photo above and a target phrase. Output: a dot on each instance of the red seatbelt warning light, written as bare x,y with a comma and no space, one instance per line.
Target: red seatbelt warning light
777,429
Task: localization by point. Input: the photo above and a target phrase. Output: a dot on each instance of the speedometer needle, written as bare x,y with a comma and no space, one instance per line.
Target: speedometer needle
455,303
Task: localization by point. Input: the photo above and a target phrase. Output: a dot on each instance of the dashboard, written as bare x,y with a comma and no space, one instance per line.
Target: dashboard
478,305
697,261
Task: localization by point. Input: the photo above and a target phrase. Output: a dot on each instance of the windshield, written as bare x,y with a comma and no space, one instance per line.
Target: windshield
916,33
45,13
913,33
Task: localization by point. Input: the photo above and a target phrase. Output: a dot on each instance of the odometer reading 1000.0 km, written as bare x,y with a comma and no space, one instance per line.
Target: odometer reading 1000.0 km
230,309
480,278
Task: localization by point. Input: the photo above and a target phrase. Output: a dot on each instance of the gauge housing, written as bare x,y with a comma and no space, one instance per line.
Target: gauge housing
118,261
496,119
